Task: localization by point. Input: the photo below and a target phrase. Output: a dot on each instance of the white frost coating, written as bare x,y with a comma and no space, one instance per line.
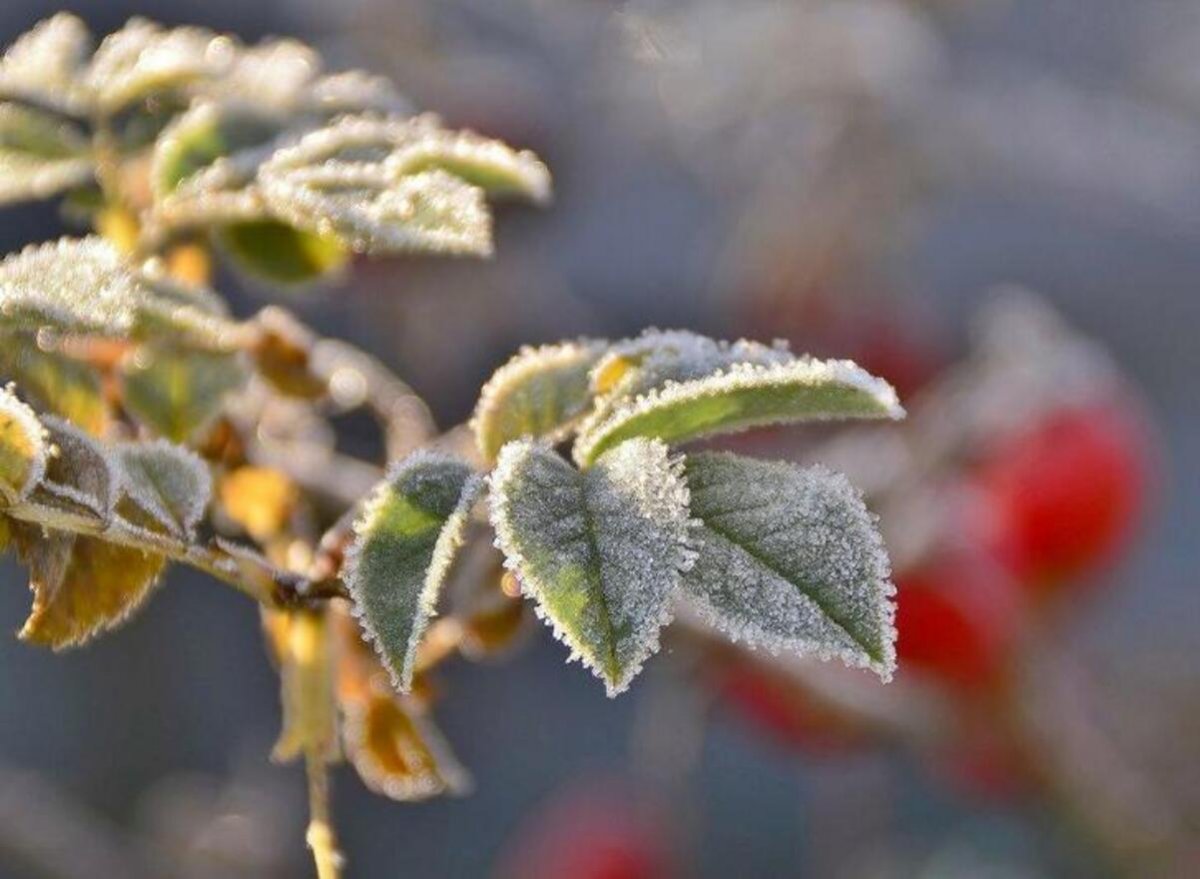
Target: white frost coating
657,357
528,364
378,183
80,469
82,285
879,397
601,552
15,411
378,628
790,559
168,482
143,57
43,63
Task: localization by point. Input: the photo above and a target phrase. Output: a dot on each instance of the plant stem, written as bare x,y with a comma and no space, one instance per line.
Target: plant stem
320,836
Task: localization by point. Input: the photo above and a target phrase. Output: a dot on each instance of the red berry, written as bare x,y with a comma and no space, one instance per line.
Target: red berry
958,617
783,712
1066,493
589,831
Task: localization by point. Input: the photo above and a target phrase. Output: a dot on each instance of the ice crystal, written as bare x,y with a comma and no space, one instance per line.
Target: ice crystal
405,540
599,551
540,392
743,396
789,559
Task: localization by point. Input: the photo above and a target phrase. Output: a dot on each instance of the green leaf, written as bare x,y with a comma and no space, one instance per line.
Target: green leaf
205,133
24,450
789,558
40,154
85,287
743,396
82,585
179,393
165,487
279,253
404,543
539,393
599,551
54,382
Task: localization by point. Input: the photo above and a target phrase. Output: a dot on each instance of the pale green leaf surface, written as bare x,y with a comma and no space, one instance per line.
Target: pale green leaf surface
741,397
539,393
405,540
789,559
600,552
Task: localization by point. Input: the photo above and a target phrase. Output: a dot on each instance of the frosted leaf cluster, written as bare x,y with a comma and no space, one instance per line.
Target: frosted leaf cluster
43,65
83,286
539,392
168,482
87,517
789,558
404,542
600,551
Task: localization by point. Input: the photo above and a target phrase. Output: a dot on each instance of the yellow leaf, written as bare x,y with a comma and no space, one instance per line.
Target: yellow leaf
81,585
302,641
23,448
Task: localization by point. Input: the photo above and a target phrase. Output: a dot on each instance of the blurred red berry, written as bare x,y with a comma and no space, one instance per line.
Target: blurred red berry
1064,496
958,617
589,831
781,711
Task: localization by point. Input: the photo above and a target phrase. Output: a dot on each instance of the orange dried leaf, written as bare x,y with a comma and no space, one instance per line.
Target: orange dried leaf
81,586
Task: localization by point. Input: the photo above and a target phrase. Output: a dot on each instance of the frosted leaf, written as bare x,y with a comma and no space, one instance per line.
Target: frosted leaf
79,472
178,393
167,483
356,90
42,65
40,155
743,396
789,559
84,286
599,551
407,536
55,383
24,449
81,585
143,58
538,393
388,184
431,212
